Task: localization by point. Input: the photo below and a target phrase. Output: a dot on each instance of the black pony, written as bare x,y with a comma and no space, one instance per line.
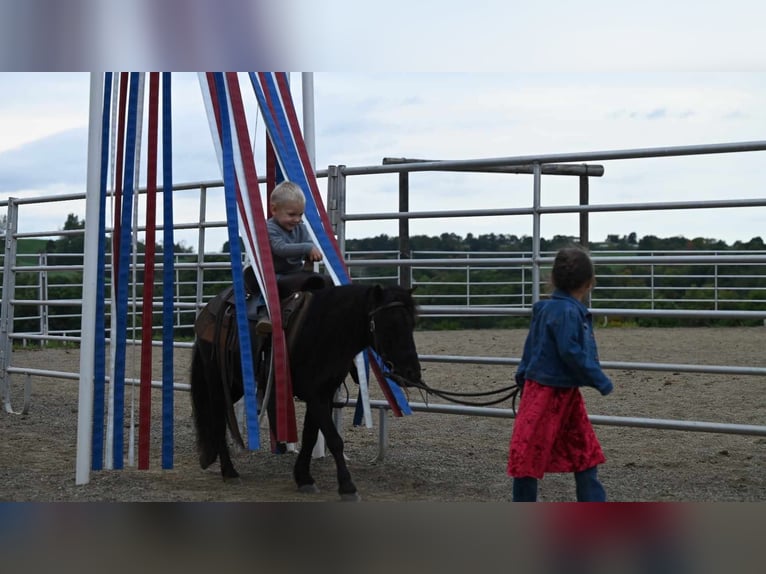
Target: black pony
336,324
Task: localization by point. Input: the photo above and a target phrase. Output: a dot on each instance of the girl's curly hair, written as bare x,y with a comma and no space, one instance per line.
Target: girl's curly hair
572,268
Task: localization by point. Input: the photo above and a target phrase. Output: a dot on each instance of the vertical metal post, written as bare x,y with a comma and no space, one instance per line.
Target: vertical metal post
382,434
340,195
9,289
523,288
307,87
93,216
584,200
584,233
43,295
200,251
405,273
331,201
537,171
177,292
715,287
468,284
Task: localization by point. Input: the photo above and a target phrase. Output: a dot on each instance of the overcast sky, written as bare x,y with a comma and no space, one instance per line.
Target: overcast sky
363,117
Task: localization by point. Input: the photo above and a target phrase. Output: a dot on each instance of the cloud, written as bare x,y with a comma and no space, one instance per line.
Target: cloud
361,118
658,113
50,163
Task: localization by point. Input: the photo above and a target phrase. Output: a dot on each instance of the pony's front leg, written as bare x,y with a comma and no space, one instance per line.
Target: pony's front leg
346,487
301,469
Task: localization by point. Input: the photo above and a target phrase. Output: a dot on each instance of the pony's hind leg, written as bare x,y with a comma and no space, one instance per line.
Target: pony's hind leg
221,447
219,435
202,409
212,441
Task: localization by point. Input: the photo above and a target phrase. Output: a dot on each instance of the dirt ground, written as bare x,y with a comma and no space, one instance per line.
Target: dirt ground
434,457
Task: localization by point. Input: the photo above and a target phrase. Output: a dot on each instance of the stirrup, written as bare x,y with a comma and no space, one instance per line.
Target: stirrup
263,327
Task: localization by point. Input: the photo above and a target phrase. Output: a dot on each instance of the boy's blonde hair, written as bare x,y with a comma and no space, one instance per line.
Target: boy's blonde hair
287,192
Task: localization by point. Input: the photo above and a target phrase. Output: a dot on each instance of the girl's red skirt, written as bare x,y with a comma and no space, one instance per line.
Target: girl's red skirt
552,433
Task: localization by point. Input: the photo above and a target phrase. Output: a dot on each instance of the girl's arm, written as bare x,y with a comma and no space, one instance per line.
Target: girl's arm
577,348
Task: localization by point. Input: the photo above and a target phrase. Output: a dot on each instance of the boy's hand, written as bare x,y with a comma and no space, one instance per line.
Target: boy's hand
315,254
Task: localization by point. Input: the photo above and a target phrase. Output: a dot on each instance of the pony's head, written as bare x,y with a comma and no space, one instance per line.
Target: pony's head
392,315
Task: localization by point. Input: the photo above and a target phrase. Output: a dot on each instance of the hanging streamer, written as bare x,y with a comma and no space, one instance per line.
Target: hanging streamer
250,199
118,150
243,206
275,106
168,275
256,236
121,119
230,194
122,276
125,151
147,311
273,94
99,367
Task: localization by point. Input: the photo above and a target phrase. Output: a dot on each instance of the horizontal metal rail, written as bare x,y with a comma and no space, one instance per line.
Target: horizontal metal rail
547,169
640,422
76,376
602,312
590,208
699,426
597,260
580,157
622,365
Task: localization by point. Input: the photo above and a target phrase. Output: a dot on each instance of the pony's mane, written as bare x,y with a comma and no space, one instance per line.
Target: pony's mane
385,294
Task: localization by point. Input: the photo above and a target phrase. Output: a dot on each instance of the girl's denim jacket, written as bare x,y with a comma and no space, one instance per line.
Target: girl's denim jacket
560,350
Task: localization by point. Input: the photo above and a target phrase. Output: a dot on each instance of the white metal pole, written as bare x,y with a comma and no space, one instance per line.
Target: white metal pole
89,283
307,85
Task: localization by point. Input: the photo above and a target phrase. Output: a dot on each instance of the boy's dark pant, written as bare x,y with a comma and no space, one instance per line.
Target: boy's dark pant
587,485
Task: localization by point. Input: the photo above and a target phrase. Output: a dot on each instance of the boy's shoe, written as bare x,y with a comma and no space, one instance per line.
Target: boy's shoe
263,327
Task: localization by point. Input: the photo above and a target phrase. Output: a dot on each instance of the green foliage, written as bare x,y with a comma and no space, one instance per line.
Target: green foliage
675,286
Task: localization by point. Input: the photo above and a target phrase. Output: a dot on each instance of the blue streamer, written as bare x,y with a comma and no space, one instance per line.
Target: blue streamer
230,193
99,364
286,150
122,280
396,390
168,275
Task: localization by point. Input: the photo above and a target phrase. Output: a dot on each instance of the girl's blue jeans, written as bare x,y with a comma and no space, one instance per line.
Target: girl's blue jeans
587,486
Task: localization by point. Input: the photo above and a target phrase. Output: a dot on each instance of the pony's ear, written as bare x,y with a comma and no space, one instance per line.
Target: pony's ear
377,292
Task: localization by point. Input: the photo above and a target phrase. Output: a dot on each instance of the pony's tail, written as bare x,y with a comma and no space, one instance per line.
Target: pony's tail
202,411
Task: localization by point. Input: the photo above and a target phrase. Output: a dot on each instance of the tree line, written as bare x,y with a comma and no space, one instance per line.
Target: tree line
656,286
500,242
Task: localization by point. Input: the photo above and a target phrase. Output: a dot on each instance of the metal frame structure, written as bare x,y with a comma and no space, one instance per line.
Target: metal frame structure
536,166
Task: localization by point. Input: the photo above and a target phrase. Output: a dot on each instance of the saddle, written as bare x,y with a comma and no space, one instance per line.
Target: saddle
215,322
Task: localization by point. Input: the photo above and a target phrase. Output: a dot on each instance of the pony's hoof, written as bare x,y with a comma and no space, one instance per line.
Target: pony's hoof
350,497
229,475
206,459
308,488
